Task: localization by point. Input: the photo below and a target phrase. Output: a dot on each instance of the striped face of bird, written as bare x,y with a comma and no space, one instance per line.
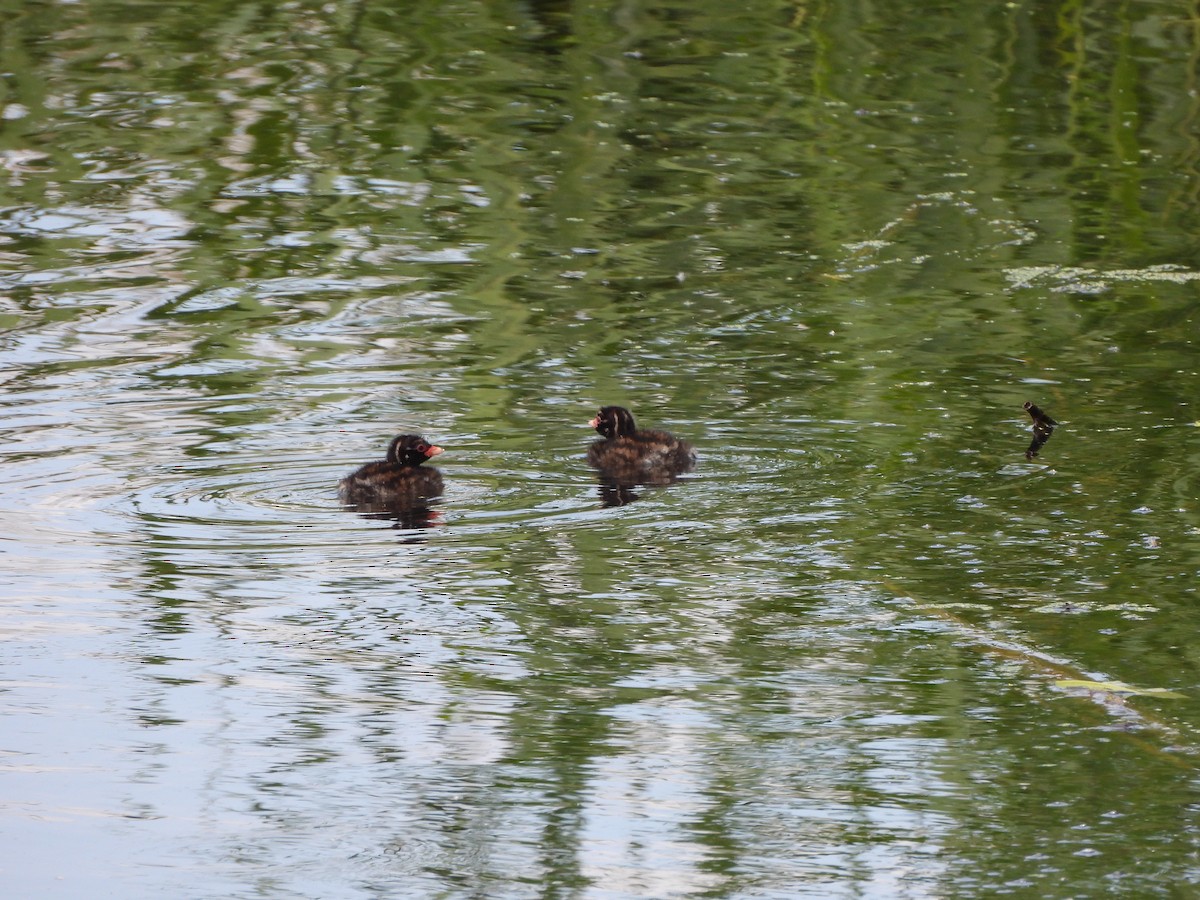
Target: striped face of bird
411,450
613,421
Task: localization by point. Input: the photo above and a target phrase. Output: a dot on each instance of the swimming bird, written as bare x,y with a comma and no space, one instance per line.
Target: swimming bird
630,455
396,483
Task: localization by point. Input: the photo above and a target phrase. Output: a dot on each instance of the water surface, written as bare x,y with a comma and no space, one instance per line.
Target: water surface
836,247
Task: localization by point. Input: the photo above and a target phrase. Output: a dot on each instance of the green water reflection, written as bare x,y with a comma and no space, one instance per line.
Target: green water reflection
836,245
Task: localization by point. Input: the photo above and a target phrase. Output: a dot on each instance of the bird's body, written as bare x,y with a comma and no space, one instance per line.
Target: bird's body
632,456
395,483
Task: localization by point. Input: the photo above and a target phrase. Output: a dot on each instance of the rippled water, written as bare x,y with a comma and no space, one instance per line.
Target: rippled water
860,652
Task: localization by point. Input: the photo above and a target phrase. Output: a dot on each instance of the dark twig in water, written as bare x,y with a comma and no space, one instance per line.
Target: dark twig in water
1043,427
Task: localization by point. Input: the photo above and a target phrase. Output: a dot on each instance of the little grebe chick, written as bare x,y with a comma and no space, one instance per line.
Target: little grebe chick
396,482
630,455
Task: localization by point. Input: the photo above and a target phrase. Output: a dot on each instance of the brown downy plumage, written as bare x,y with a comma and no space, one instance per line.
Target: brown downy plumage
394,483
631,456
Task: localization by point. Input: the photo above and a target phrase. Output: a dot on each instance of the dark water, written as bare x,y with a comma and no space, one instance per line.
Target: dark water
837,246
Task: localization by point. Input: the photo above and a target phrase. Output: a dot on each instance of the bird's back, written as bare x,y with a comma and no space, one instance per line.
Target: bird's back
644,457
387,484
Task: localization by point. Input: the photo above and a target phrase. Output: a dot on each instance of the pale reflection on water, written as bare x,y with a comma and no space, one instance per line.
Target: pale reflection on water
217,662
